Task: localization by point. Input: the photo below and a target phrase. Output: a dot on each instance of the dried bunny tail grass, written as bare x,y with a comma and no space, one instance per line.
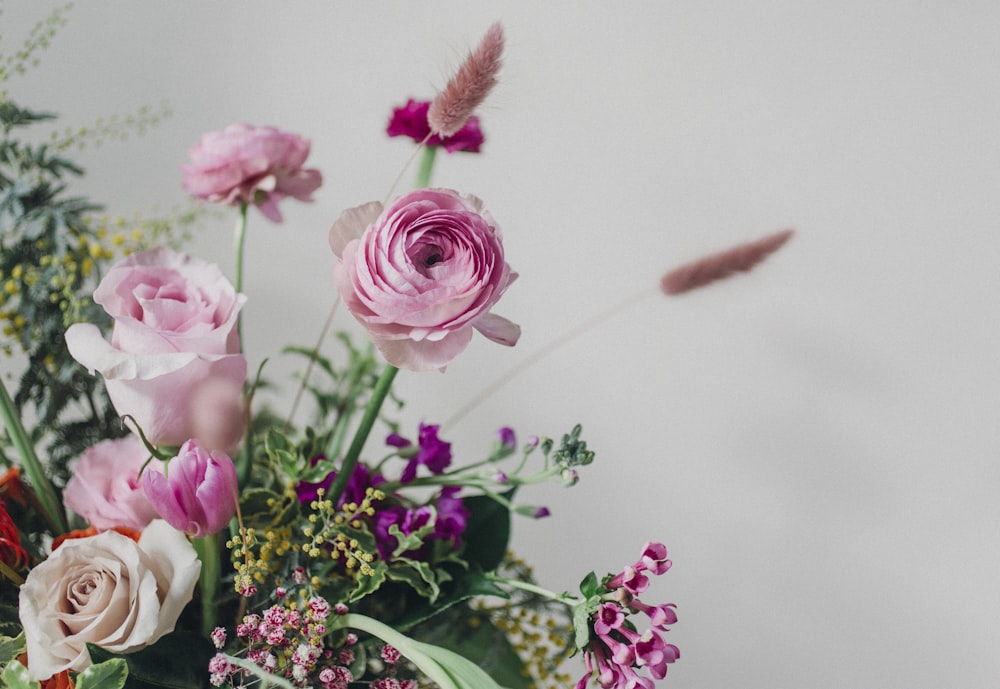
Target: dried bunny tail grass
469,87
723,264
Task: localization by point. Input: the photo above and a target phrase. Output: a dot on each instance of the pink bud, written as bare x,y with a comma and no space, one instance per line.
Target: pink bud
198,493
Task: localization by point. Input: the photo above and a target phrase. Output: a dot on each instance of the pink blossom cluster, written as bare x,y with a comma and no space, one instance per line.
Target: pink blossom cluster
287,642
617,649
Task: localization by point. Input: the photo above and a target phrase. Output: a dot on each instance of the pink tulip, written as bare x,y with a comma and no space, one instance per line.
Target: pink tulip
198,493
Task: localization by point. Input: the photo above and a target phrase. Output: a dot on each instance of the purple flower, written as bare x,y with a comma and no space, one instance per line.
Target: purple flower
507,438
198,493
452,516
433,453
354,491
411,120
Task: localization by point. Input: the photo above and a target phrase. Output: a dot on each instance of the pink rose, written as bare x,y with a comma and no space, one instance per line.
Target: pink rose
246,164
421,274
105,590
175,330
198,493
105,489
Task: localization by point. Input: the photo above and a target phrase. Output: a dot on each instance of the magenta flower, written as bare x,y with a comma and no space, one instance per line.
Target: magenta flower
617,649
411,120
421,274
198,493
508,438
255,165
433,453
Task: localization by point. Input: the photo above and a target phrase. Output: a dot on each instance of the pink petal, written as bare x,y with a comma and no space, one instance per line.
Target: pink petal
498,329
351,225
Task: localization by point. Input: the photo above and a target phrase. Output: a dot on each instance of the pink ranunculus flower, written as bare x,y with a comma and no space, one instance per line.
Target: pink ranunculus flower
421,274
198,493
106,590
175,329
247,164
105,489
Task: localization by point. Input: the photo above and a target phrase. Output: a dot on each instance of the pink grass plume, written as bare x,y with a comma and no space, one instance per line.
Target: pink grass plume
473,81
719,266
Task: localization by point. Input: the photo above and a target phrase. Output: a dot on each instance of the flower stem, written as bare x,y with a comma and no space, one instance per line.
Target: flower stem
379,394
563,598
40,484
426,167
211,567
239,239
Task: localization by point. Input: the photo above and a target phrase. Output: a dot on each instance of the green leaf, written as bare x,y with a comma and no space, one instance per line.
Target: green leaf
487,531
11,647
486,646
177,661
467,585
590,586
111,674
369,584
15,676
417,574
445,668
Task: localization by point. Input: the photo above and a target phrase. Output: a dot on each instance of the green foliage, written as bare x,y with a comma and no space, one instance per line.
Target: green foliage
111,674
177,661
39,38
15,676
48,257
487,531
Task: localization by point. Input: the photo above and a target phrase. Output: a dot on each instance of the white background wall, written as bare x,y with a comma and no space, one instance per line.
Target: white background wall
817,443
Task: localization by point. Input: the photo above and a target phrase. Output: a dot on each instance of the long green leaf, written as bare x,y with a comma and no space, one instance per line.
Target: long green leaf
443,667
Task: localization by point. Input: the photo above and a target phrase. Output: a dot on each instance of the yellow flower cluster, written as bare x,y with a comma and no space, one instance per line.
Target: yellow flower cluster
325,528
259,554
62,274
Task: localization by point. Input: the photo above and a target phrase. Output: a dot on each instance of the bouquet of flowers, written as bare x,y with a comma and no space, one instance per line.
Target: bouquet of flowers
180,534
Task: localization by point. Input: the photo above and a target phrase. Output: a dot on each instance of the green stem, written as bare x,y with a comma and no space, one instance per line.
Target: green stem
426,167
40,484
379,394
563,598
239,240
211,568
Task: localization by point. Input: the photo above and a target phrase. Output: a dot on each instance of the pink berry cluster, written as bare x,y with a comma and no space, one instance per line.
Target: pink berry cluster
616,648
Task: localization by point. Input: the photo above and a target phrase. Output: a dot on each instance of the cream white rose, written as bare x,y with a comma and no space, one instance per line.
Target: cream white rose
106,590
